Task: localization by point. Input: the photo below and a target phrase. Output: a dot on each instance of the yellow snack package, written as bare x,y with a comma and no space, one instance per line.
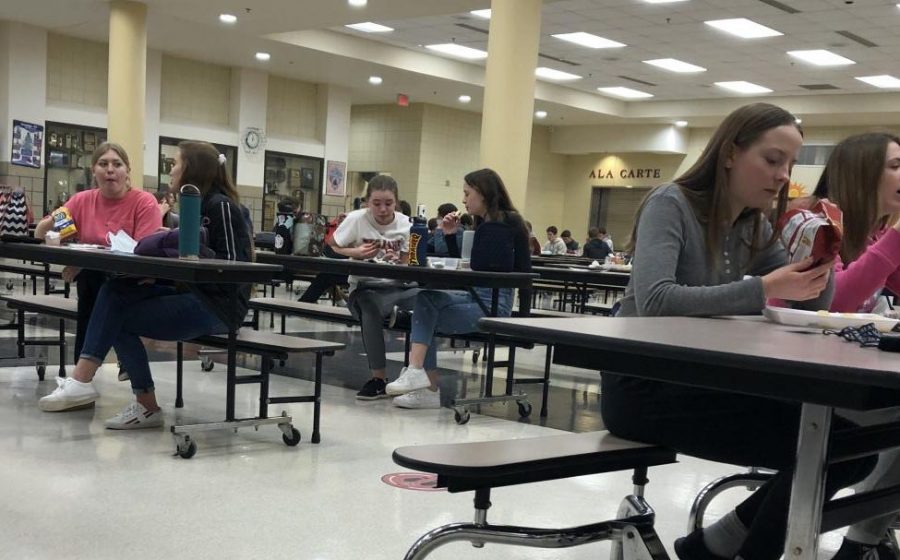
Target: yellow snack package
63,223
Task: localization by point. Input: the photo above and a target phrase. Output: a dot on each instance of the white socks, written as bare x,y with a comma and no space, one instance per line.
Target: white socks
725,536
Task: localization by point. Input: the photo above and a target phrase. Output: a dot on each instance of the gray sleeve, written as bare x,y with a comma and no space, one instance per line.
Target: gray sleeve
661,238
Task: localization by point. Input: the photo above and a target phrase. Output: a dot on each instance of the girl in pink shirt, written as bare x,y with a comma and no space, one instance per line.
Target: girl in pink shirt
863,178
112,206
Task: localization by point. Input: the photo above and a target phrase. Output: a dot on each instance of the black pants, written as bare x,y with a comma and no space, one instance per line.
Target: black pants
320,284
729,428
88,284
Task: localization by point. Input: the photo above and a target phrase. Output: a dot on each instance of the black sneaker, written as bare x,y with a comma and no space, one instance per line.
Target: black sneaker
373,389
852,550
692,547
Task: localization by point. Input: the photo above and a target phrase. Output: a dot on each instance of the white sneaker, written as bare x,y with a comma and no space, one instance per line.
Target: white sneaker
69,395
135,417
423,398
410,379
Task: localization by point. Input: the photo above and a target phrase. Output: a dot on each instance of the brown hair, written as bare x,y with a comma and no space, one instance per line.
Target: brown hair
203,167
489,185
107,146
851,179
705,184
383,183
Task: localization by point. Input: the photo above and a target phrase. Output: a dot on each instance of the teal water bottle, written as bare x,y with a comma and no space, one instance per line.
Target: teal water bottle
189,223
418,242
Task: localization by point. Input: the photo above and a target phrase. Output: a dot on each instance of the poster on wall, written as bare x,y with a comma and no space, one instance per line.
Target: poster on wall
335,175
27,144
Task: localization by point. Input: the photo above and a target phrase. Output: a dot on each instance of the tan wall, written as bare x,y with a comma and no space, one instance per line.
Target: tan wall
77,71
195,91
545,199
387,138
579,184
291,108
449,150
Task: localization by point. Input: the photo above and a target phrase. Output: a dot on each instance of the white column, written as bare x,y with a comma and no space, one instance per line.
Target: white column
127,80
333,130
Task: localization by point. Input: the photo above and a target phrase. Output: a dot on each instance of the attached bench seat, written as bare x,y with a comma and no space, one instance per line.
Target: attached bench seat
34,271
309,310
481,466
269,346
54,306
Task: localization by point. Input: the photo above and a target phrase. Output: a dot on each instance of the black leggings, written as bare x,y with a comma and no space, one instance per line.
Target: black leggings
728,428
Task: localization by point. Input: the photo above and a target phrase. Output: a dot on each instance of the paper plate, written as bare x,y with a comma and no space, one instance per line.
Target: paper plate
827,320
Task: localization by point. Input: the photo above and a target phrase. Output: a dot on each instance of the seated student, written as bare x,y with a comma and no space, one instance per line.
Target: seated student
325,281
500,245
606,238
554,245
571,244
112,206
532,240
862,176
703,246
437,246
595,248
127,310
166,202
376,232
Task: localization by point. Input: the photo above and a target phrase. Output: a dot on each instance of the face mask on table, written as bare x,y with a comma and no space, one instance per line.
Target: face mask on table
121,242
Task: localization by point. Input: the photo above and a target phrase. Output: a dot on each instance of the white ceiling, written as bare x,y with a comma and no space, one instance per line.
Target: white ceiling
308,41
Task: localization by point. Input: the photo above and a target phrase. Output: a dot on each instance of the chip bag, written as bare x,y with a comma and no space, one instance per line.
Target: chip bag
816,232
64,223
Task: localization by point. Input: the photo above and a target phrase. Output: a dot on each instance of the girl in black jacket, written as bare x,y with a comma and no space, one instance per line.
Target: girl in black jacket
500,245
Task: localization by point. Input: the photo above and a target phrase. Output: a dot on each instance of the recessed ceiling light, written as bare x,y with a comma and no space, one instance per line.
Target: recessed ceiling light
375,80
370,27
681,124
485,14
624,92
675,65
358,3
458,50
821,57
540,114
743,87
227,18
465,98
743,27
557,75
588,40
798,120
263,56
883,80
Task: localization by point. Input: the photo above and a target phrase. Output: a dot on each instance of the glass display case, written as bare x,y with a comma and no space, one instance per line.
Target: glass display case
69,148
291,176
168,147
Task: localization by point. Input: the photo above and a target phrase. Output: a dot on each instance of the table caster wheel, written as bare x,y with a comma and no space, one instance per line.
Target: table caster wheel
293,439
10,285
188,450
206,363
475,357
524,409
461,417
41,372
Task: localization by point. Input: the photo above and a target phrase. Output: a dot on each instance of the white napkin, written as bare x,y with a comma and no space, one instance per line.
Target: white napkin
121,242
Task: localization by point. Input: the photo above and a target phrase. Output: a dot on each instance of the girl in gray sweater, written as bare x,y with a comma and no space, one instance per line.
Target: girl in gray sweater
703,246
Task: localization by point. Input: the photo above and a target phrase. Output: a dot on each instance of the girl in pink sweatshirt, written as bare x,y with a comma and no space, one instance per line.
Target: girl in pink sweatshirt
863,178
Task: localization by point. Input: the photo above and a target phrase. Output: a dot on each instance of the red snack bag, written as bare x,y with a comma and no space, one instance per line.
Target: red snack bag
816,232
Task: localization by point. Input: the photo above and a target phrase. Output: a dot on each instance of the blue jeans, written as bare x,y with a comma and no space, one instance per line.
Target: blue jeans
451,312
124,312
